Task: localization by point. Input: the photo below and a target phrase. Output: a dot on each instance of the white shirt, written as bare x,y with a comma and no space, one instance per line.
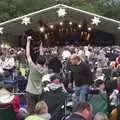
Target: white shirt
8,63
66,54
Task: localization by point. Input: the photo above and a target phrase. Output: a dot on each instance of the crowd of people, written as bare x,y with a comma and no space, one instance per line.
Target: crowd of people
89,74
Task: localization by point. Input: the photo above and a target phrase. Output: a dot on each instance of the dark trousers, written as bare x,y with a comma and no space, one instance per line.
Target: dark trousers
31,101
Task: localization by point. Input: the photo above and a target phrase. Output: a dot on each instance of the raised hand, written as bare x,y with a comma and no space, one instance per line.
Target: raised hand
29,38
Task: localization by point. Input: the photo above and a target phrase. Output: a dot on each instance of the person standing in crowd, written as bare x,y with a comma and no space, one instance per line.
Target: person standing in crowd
34,85
83,111
81,77
55,64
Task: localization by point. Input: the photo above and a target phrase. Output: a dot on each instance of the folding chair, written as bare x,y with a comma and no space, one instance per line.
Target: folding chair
21,82
7,112
99,102
56,102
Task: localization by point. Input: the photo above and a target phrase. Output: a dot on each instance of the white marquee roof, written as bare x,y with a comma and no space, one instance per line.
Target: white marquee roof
50,16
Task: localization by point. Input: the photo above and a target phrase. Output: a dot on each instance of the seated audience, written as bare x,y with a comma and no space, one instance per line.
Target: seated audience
83,111
100,85
34,117
97,98
41,109
40,112
113,98
6,96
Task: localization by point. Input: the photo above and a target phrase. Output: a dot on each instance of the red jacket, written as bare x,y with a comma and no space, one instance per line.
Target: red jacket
16,104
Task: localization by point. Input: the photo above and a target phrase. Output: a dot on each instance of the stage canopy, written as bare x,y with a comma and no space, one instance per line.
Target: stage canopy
13,28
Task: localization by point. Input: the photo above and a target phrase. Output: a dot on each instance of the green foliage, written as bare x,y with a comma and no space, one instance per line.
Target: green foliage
13,8
96,8
112,9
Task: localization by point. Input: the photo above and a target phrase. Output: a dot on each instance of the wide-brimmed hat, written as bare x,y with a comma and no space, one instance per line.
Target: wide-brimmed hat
5,96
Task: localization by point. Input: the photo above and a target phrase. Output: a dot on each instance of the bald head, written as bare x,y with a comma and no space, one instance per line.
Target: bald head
84,109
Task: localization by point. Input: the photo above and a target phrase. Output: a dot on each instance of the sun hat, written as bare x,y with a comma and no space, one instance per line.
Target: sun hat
5,96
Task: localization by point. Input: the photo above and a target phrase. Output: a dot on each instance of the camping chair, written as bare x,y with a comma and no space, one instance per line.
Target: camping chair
9,82
21,83
56,102
7,112
98,101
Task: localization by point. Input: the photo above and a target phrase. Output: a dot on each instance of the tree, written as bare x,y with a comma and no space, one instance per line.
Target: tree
13,8
112,9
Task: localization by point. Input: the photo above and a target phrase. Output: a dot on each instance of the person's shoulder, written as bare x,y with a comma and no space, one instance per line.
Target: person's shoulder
46,116
43,70
84,64
31,63
34,117
75,117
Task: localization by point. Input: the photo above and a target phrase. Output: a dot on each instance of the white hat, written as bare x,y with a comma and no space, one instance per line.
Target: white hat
47,77
5,96
66,54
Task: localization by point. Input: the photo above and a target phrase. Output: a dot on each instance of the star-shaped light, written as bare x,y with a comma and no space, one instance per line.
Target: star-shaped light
61,12
26,21
1,30
96,21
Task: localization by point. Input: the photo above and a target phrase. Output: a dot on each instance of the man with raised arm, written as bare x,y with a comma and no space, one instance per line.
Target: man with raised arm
34,85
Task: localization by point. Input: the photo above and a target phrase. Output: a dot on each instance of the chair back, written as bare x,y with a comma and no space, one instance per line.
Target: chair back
7,112
99,102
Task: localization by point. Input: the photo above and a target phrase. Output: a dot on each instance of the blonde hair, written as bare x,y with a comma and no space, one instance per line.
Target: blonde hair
75,56
41,107
100,116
